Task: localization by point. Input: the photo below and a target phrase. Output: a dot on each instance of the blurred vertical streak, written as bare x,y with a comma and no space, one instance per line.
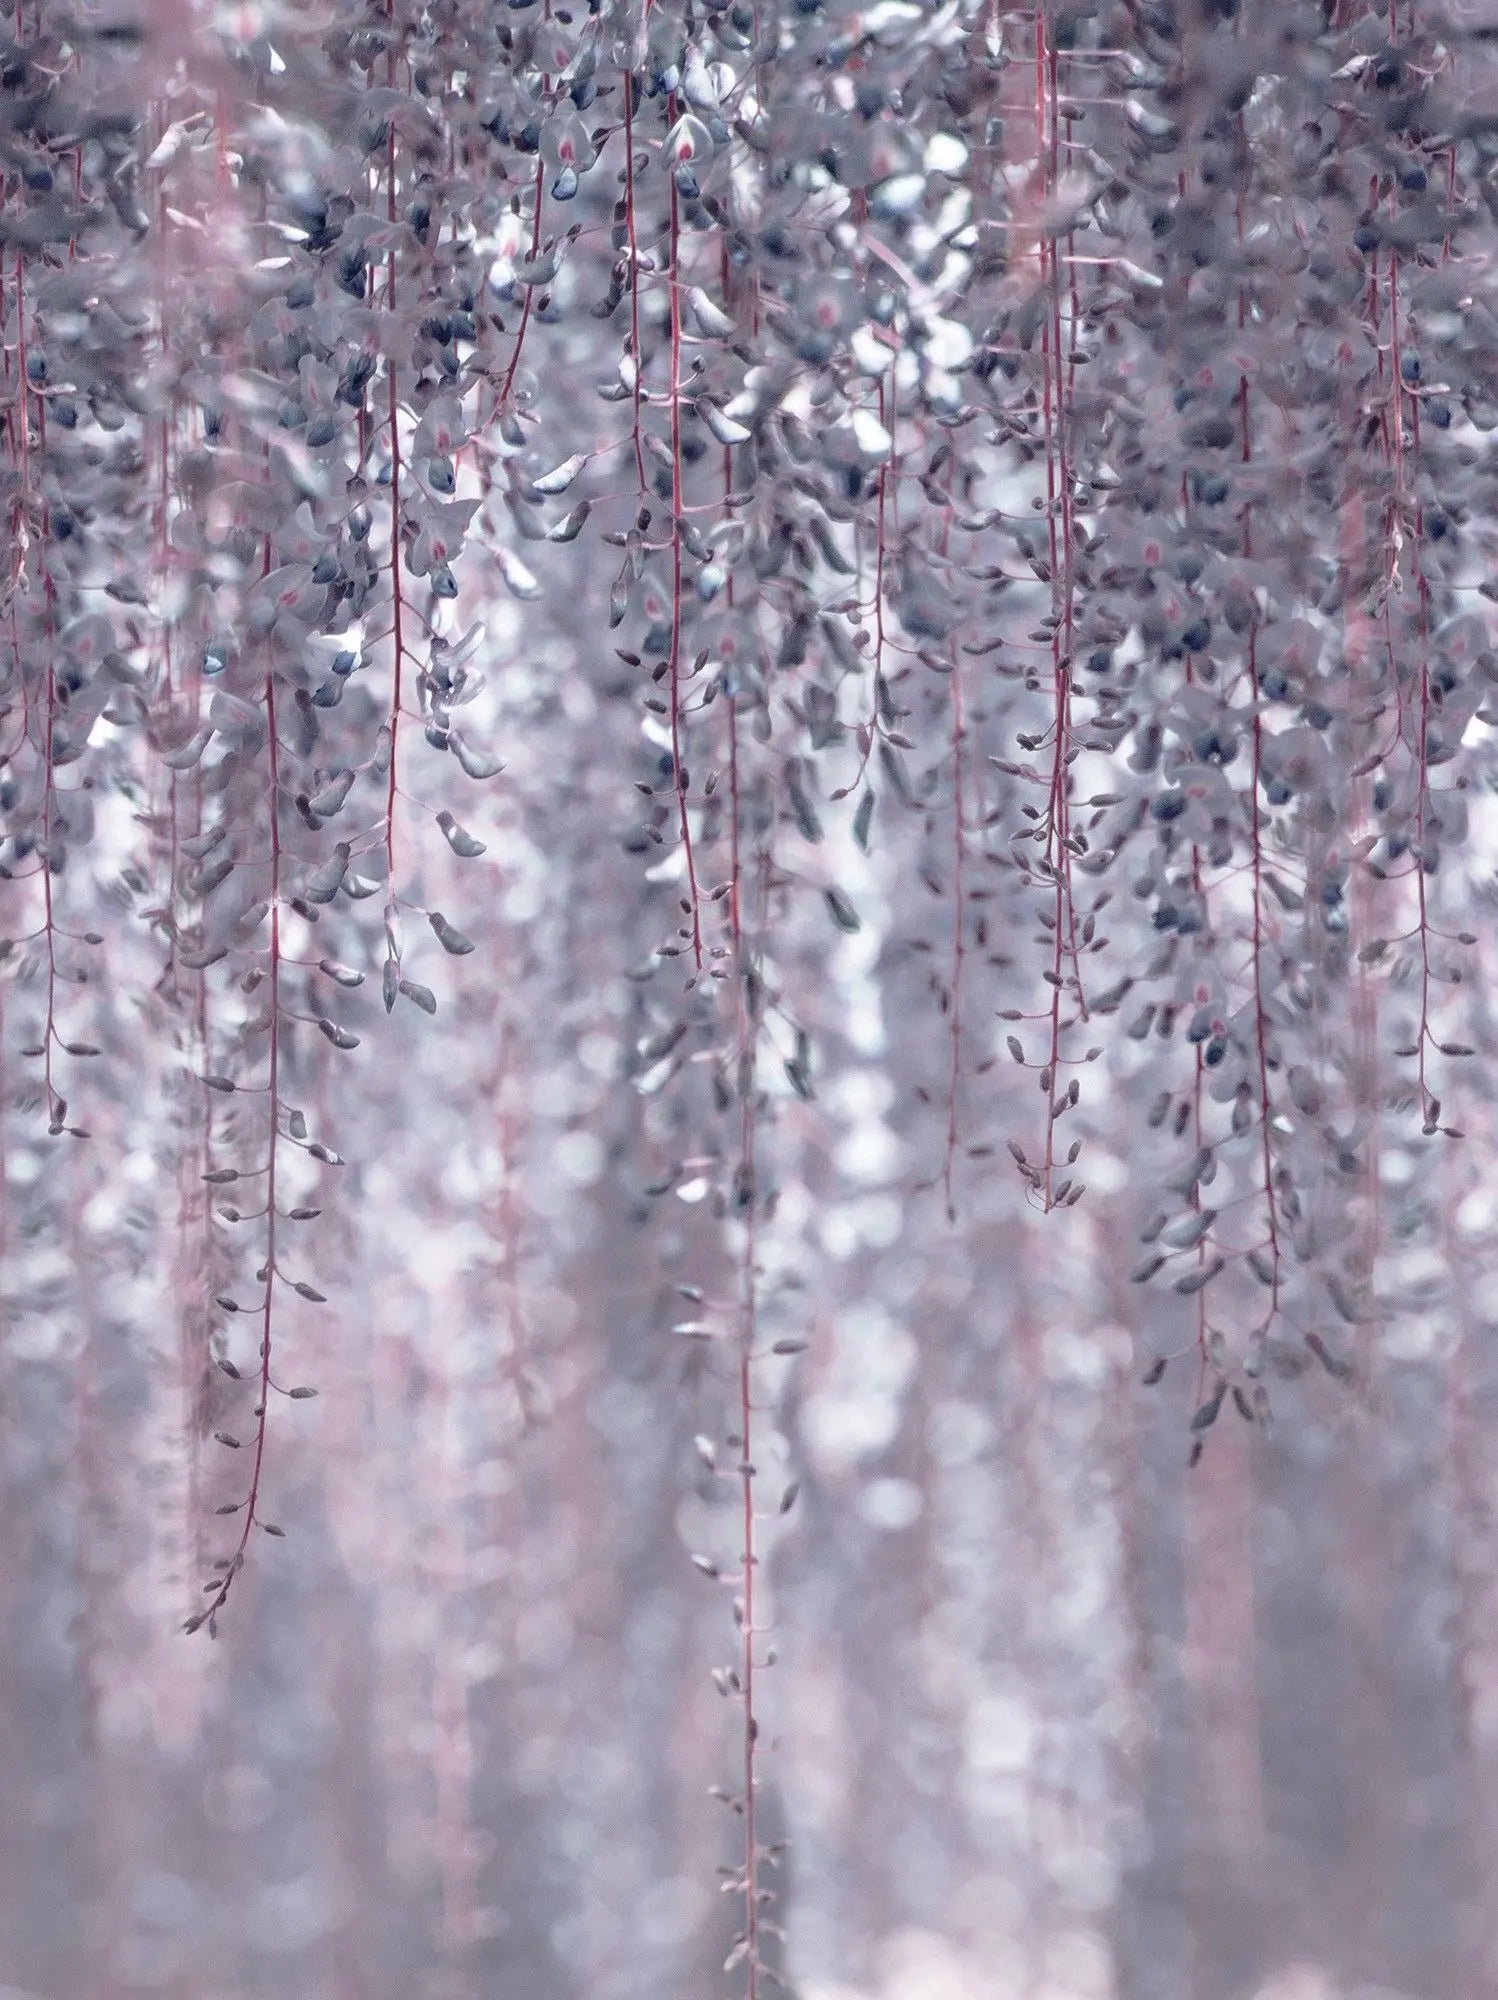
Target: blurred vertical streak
1227,1852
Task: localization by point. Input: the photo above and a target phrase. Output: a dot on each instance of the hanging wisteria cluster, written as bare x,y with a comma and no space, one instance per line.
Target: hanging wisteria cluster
827,632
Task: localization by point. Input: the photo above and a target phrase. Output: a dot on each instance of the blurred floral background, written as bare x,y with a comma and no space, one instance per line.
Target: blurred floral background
745,774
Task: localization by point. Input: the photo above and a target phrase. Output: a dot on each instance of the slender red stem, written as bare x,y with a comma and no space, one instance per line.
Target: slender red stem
679,772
